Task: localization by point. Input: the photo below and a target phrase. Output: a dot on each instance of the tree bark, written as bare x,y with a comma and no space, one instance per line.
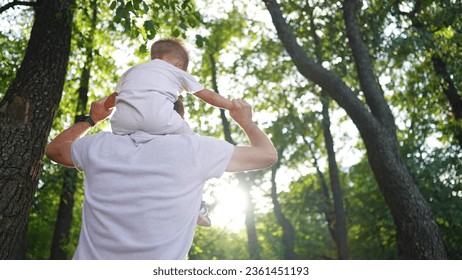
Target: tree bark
417,232
418,235
26,115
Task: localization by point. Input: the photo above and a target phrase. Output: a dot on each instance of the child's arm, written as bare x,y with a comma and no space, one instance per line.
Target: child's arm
109,102
214,99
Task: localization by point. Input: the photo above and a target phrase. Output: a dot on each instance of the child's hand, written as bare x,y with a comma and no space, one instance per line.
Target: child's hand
109,102
214,99
102,108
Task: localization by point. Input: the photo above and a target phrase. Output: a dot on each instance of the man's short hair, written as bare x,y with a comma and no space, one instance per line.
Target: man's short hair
179,107
170,47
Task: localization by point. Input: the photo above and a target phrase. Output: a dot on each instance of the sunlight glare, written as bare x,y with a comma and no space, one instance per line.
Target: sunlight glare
229,211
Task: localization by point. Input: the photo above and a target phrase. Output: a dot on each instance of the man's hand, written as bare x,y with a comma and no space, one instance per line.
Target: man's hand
59,149
241,112
261,153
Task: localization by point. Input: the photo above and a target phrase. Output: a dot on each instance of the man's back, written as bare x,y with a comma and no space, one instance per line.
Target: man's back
143,192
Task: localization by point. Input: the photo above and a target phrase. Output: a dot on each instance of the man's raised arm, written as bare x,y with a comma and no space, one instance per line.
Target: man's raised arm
59,149
261,153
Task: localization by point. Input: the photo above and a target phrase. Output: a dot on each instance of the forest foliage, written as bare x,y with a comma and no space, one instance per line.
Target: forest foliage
234,46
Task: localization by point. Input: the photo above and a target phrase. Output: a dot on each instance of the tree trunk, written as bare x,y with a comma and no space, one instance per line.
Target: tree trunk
26,115
244,179
451,93
64,218
224,120
418,235
288,231
341,233
326,206
65,212
253,245
439,65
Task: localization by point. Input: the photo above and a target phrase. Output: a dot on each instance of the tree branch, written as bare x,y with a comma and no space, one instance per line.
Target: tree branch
327,80
367,79
17,3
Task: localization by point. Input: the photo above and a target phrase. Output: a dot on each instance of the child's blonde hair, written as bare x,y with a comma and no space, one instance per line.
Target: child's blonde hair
170,47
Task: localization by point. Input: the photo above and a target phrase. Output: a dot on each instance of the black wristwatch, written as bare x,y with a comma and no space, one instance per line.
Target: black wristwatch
87,119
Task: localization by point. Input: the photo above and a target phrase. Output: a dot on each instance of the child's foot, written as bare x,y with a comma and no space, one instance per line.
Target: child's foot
203,218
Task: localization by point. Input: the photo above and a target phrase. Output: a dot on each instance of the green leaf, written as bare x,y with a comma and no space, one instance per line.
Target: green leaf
129,8
120,12
150,29
143,48
199,41
176,33
183,26
112,5
149,25
447,32
136,4
145,7
128,26
185,4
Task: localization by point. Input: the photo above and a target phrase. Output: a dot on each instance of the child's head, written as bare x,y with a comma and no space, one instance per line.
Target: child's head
172,51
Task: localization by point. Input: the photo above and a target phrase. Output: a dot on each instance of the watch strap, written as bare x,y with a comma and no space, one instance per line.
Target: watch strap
87,119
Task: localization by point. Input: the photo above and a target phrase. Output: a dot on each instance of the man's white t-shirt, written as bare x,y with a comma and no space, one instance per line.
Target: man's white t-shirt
143,192
146,95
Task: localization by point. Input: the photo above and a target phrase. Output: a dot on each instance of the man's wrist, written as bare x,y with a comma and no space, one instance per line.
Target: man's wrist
87,119
247,124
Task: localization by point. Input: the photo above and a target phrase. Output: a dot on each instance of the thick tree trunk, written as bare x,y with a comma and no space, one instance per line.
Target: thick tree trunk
417,232
65,212
26,115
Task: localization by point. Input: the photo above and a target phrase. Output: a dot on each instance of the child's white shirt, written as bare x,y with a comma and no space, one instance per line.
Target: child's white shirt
146,95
